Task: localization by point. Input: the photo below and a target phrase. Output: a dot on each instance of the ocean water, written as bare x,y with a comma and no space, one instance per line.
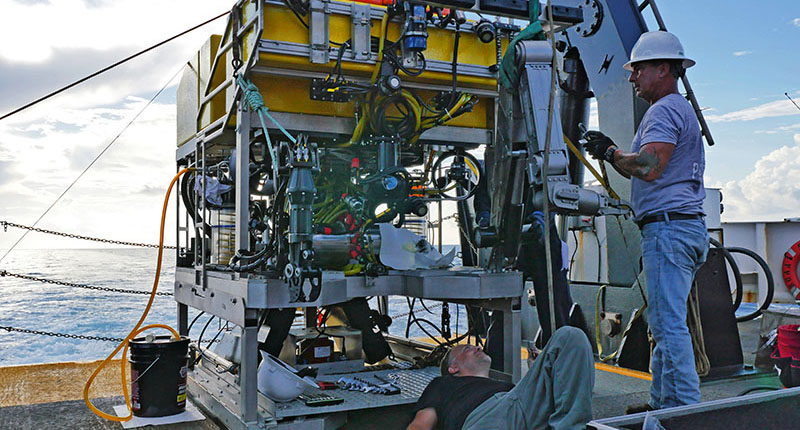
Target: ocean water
53,308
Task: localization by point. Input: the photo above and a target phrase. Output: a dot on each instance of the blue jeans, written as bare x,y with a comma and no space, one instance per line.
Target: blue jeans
672,252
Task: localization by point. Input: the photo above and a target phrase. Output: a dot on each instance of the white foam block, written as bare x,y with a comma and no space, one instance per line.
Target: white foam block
190,414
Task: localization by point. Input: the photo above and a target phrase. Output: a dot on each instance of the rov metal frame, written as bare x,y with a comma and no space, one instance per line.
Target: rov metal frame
239,298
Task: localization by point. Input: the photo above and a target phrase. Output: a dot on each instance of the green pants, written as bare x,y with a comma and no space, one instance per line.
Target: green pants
556,393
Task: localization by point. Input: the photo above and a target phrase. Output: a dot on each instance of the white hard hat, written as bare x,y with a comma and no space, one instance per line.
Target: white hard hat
279,381
658,45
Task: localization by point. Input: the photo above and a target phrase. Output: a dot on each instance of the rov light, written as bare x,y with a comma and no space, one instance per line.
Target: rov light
485,30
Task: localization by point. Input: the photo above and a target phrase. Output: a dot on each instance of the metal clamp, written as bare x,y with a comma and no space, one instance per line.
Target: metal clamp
318,31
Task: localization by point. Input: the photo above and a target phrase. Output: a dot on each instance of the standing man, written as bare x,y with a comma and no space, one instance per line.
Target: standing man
665,165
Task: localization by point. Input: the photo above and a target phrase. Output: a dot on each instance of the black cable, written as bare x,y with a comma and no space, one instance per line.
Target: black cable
300,18
572,258
417,321
410,311
758,388
193,321
455,65
200,340
471,322
599,246
770,282
737,275
84,79
422,302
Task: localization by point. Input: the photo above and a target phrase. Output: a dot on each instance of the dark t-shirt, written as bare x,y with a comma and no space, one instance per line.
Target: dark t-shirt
455,397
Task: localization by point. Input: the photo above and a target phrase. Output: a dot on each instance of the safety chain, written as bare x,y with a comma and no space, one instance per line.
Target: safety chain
435,224
7,224
405,314
86,286
64,335
73,336
469,239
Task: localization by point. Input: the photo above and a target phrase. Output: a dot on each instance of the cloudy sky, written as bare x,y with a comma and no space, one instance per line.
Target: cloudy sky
746,61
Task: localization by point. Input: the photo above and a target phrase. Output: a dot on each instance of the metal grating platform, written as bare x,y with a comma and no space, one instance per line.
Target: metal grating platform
410,382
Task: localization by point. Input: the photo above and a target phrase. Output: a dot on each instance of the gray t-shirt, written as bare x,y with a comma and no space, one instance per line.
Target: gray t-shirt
680,187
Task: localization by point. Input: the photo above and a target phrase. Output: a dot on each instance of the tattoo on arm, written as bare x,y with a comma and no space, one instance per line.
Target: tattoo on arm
647,164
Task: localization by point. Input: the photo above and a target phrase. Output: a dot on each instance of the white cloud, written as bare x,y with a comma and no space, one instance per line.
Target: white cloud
68,24
770,191
44,148
796,22
780,129
766,110
741,53
109,200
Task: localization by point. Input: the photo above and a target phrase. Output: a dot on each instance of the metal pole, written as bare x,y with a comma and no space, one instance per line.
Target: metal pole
440,226
689,92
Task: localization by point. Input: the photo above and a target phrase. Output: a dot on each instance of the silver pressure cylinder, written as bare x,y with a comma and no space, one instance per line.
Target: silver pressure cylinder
333,251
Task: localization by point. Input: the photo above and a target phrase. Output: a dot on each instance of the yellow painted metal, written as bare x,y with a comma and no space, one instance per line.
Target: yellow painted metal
291,94
281,25
217,108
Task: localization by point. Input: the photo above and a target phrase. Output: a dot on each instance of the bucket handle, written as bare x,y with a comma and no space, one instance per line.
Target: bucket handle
145,370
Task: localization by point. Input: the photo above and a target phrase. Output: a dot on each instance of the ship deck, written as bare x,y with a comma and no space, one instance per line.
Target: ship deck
49,395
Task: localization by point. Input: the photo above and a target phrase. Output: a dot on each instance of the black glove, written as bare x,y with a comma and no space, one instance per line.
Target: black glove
600,146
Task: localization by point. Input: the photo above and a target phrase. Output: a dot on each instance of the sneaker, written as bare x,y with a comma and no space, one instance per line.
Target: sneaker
635,409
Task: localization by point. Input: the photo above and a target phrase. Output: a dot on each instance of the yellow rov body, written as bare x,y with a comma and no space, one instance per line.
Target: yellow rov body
282,60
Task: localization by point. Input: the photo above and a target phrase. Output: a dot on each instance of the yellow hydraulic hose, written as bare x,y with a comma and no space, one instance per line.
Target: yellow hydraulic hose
136,329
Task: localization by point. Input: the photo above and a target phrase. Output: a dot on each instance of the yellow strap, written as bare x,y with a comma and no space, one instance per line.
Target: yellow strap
600,178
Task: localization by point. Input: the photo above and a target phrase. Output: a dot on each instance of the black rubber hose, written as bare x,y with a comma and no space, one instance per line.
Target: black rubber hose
770,283
737,275
186,185
759,388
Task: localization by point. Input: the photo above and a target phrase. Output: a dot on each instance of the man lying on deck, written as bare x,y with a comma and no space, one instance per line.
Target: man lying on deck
556,393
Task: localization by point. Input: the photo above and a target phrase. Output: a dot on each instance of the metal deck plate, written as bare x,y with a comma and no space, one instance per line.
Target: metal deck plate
411,383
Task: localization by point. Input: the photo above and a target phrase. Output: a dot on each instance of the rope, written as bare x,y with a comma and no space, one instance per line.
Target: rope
701,361
135,117
256,102
7,224
545,185
253,97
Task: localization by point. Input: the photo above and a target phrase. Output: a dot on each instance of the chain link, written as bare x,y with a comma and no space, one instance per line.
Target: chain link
64,335
405,314
86,286
74,336
7,224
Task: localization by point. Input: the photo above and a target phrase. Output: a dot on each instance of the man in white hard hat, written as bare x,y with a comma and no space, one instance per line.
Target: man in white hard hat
665,165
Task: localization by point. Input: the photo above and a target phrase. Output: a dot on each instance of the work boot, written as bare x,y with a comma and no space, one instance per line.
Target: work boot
635,409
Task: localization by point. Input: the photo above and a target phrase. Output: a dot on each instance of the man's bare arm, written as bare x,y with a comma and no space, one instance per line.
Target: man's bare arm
425,419
648,164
